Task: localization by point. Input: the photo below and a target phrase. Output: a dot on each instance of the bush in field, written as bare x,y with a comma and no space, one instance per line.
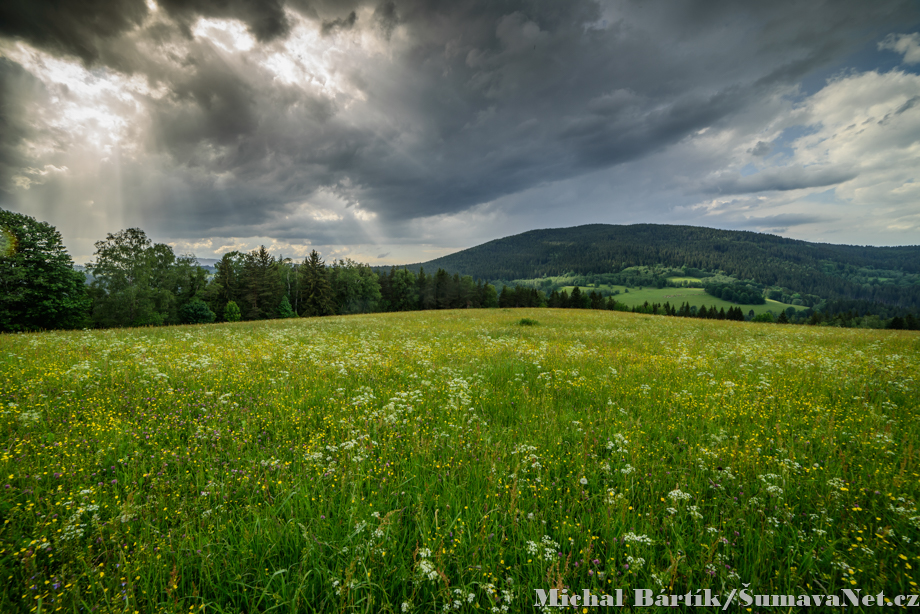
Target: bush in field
232,312
197,311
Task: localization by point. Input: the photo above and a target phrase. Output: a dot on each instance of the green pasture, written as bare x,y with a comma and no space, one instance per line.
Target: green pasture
677,296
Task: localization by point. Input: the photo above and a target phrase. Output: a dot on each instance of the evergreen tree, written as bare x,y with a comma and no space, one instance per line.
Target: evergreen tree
284,308
489,297
386,289
196,311
426,295
405,291
228,282
316,296
596,300
442,283
263,287
564,300
466,293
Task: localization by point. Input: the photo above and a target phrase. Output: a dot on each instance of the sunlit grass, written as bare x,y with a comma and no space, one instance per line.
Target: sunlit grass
408,462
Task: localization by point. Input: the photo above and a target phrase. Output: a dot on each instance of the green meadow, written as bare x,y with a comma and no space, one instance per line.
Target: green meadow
696,297
454,461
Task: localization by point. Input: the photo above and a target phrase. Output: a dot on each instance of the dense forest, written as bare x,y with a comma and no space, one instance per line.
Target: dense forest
134,282
884,275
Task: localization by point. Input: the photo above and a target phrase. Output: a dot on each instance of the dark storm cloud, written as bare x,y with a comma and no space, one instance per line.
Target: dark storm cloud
386,17
344,23
15,84
524,94
76,27
85,28
462,102
211,104
264,18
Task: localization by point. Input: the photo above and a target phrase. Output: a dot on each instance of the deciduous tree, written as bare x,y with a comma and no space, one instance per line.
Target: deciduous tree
132,284
39,289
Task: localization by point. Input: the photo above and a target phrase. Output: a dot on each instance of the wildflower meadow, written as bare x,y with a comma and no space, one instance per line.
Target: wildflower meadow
453,461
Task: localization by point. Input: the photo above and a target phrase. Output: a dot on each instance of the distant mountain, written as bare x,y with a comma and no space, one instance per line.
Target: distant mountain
888,275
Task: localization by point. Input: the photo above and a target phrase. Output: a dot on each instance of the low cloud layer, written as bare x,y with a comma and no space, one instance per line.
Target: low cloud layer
401,130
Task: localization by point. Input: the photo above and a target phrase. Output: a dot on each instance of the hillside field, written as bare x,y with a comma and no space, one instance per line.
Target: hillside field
696,297
453,461
883,276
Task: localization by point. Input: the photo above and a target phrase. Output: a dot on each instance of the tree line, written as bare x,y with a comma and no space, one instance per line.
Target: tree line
135,282
743,293
255,285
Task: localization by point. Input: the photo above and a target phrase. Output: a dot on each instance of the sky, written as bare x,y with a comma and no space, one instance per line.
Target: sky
398,131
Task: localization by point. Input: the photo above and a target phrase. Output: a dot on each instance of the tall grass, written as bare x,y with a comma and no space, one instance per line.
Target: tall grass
452,461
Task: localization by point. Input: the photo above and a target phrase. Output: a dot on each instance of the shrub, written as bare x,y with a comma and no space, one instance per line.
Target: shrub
232,312
196,311
285,310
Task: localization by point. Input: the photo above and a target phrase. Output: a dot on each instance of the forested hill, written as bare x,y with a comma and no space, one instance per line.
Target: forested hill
878,274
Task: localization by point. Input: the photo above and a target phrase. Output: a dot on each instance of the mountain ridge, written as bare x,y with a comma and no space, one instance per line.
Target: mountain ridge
887,275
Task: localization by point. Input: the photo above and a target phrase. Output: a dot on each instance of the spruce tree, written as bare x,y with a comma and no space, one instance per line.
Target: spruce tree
263,285
284,309
316,297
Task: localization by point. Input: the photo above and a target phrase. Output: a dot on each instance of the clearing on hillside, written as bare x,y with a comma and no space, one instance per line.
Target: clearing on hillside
696,297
